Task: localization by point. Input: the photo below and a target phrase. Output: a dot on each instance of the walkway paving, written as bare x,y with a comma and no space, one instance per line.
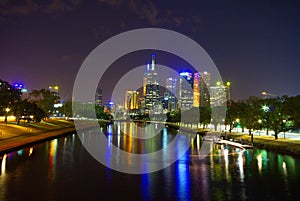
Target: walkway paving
16,135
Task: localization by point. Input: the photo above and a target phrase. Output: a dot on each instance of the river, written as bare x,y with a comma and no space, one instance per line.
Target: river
62,169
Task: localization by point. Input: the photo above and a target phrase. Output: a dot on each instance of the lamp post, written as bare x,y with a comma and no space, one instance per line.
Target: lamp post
266,109
284,121
6,114
260,122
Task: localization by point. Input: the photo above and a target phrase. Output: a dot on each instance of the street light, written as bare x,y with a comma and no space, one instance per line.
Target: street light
265,108
284,121
260,122
6,110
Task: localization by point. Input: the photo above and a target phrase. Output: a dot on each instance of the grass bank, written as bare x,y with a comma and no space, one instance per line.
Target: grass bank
13,136
284,146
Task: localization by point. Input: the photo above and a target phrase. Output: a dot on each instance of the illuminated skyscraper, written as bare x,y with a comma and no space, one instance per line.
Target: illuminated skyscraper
220,94
196,90
186,91
132,100
204,86
98,97
152,86
170,95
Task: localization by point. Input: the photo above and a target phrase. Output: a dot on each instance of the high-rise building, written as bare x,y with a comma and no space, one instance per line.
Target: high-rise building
152,97
196,90
219,94
132,100
170,95
186,90
204,88
98,97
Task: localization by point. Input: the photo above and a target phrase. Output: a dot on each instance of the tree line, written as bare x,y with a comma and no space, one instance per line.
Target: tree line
278,114
40,104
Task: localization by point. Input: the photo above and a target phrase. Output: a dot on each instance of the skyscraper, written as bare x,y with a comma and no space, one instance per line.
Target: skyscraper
204,89
186,91
196,90
132,100
151,84
98,97
220,94
170,94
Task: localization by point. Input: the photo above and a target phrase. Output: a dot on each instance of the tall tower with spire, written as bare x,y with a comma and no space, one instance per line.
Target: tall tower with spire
151,86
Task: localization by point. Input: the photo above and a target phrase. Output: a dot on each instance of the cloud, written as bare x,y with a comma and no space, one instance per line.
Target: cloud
178,21
111,2
146,10
72,58
27,7
61,5
101,33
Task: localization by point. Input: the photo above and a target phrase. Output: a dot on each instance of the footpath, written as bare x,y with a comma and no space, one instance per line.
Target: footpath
284,146
13,136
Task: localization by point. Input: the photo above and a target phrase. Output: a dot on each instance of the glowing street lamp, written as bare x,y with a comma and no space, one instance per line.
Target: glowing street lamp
265,108
284,121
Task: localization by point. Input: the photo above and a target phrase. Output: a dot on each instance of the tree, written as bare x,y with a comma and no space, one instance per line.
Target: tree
218,114
45,99
29,111
276,114
231,114
174,116
252,113
292,109
205,115
8,96
66,109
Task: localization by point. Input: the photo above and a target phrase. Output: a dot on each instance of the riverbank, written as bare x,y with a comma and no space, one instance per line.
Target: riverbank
284,146
13,136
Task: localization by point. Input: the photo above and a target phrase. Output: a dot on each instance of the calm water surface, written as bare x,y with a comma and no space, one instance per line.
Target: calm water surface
61,169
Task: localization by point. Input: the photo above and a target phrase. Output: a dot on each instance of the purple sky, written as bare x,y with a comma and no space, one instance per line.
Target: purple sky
254,44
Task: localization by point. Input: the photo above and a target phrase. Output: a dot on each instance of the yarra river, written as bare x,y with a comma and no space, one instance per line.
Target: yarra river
62,169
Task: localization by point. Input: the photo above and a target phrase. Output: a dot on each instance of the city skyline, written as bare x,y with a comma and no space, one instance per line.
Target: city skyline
45,44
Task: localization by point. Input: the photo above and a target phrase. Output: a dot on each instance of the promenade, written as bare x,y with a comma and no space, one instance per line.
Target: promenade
13,135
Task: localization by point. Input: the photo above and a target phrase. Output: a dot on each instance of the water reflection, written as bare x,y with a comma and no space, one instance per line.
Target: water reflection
52,160
30,151
63,168
259,163
3,164
183,179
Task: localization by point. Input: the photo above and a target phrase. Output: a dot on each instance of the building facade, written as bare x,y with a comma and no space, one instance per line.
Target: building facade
132,100
186,96
170,94
151,85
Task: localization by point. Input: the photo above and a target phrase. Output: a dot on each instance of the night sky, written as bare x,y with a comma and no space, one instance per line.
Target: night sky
254,44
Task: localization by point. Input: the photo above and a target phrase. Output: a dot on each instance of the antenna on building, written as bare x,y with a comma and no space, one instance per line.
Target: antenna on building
153,61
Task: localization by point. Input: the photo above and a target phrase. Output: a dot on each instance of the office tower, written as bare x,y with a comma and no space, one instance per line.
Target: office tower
196,90
219,94
170,95
152,97
228,93
98,97
186,91
204,89
132,100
